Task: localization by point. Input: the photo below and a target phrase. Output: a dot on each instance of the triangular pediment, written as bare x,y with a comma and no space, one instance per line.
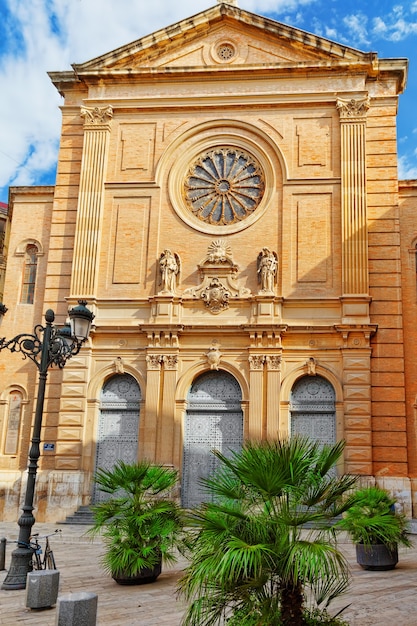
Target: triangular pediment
224,37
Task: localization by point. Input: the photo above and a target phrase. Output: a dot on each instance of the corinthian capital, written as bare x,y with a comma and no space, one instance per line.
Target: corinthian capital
96,116
353,109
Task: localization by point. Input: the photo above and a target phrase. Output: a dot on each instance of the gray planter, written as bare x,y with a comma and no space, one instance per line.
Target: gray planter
377,557
146,575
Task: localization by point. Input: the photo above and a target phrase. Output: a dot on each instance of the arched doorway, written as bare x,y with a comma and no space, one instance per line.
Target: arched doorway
313,410
118,426
214,420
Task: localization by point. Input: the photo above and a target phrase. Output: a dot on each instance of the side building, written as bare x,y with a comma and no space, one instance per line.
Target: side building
227,201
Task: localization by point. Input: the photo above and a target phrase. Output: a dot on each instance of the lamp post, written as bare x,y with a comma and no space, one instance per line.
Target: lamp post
47,346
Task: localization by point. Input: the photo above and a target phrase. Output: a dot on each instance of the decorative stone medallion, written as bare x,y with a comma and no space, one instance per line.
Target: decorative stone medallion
224,186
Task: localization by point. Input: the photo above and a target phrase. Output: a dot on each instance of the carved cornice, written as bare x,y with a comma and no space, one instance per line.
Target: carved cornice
97,117
353,110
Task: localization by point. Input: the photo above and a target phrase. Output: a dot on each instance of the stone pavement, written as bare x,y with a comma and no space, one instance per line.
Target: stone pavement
374,599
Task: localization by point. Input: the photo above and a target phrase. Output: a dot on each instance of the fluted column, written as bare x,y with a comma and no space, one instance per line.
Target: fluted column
153,384
256,378
354,219
273,385
164,453
90,200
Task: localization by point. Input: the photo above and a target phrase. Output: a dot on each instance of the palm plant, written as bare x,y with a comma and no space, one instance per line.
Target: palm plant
371,519
254,549
139,523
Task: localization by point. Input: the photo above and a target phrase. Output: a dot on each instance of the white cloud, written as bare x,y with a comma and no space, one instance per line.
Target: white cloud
49,35
357,28
396,25
407,170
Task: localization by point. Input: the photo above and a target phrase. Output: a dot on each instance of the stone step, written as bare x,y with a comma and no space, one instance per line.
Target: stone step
82,516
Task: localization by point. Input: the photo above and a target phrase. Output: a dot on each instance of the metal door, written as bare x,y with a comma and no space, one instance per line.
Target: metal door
313,412
118,428
214,420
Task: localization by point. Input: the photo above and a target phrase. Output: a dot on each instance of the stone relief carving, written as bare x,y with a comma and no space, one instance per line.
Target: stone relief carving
213,357
170,361
267,264
169,269
219,282
96,115
256,361
311,366
351,109
219,251
216,296
154,361
118,365
273,362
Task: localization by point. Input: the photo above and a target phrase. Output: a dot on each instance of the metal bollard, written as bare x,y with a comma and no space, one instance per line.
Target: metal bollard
3,542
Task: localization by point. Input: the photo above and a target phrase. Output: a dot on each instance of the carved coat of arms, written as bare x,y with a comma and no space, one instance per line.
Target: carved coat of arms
216,296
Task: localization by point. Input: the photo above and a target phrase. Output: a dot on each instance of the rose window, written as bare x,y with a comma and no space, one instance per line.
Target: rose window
225,52
224,186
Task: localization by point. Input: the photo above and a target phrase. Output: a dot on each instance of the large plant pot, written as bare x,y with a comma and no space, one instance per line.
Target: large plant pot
146,575
377,557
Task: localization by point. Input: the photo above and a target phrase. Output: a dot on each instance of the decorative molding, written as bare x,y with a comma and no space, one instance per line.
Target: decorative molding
216,296
118,365
352,110
219,251
170,361
96,116
273,362
219,283
154,361
256,362
213,357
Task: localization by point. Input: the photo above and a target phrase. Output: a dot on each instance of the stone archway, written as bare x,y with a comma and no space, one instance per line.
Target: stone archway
214,420
118,425
313,409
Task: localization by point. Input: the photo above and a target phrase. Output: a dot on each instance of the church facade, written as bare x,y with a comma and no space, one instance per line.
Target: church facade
227,202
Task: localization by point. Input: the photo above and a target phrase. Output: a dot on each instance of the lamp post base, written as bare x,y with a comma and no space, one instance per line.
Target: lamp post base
20,566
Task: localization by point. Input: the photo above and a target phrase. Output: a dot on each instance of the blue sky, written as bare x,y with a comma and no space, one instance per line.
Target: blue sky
48,35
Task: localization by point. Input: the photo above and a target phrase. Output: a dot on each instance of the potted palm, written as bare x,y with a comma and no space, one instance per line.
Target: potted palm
375,528
139,522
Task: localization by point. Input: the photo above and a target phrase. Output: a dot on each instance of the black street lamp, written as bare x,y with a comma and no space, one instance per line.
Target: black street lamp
48,346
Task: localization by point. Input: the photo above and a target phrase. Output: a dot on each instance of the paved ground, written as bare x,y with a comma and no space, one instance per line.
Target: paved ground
375,598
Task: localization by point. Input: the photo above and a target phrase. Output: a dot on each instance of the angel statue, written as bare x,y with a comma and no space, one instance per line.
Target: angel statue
169,267
267,269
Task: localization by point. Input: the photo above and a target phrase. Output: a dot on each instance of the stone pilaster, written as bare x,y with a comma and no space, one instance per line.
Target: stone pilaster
354,211
256,379
90,200
150,419
164,452
273,385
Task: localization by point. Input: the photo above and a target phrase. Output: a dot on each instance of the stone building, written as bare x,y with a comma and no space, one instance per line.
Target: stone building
227,201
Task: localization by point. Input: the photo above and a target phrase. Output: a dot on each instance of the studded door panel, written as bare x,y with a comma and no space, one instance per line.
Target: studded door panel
117,436
214,421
